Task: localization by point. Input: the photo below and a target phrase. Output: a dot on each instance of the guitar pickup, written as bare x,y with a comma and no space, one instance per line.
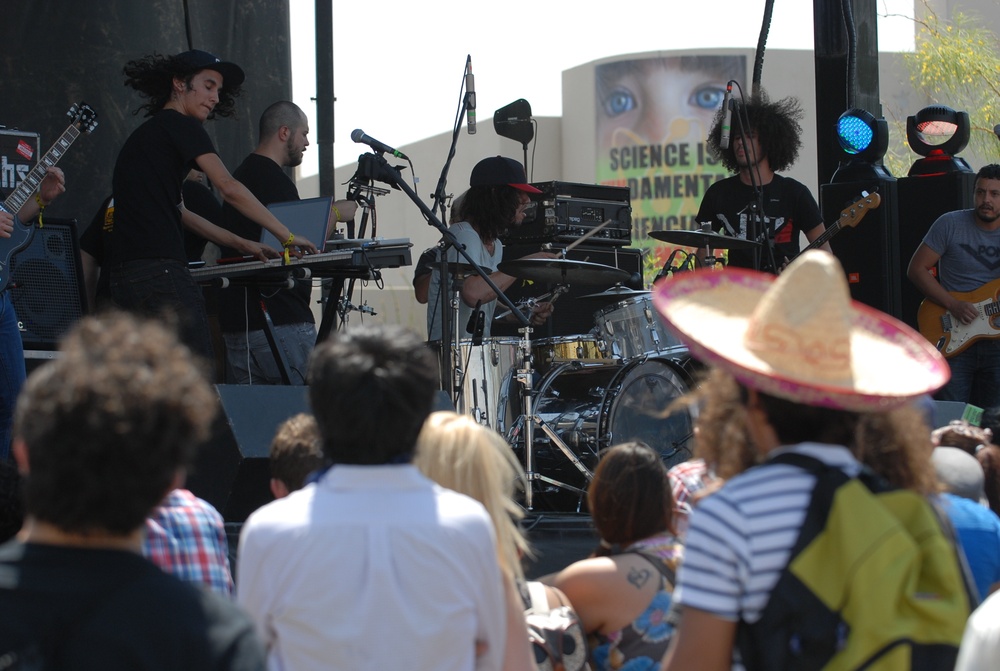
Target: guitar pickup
946,322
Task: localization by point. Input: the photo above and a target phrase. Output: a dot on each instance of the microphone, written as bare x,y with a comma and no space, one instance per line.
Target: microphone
666,266
996,130
727,116
359,136
470,96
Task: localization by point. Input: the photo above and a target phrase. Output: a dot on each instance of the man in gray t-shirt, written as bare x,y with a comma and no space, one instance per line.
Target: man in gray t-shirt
965,246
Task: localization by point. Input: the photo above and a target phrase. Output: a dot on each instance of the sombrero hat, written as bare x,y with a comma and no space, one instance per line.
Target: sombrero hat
800,336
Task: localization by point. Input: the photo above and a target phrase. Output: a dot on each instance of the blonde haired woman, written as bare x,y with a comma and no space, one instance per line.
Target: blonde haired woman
456,452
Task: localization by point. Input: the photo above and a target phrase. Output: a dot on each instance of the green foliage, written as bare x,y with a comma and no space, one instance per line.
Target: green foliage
957,64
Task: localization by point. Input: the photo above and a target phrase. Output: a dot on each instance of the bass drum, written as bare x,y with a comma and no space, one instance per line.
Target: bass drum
591,408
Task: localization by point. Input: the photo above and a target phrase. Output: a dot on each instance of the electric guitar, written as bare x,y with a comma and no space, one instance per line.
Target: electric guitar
950,335
84,121
850,216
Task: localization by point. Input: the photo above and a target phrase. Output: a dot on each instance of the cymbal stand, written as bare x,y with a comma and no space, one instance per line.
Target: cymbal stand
710,260
458,374
525,375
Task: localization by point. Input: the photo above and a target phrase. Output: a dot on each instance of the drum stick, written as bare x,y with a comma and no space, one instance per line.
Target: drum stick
586,235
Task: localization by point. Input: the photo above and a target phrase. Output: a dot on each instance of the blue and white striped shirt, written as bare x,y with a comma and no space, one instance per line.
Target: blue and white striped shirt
740,538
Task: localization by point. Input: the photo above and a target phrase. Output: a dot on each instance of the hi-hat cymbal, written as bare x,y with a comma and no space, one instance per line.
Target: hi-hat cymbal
564,271
617,291
703,239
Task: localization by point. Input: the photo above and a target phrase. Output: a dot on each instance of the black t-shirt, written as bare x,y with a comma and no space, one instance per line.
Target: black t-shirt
112,609
789,209
199,199
237,305
147,186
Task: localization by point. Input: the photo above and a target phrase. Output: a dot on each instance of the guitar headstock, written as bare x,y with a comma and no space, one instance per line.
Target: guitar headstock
83,116
853,213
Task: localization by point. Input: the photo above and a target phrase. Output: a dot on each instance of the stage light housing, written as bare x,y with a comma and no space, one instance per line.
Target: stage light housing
861,136
937,133
863,140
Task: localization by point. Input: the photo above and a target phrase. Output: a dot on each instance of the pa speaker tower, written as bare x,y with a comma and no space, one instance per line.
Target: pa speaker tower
869,251
922,199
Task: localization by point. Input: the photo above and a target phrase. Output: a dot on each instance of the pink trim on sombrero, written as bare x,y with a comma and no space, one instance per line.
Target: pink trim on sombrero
867,317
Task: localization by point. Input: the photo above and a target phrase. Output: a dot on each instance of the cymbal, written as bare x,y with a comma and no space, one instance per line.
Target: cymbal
703,239
617,291
564,271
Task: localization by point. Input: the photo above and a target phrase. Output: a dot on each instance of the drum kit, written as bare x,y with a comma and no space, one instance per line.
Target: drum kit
561,401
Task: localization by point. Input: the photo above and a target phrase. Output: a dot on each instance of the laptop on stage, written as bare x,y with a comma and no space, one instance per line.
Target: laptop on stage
310,217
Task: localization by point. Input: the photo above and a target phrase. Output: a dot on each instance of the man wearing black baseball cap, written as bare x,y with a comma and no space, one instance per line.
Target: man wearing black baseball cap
495,201
145,254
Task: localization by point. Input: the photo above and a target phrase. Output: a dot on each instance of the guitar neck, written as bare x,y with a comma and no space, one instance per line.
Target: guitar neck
824,237
33,180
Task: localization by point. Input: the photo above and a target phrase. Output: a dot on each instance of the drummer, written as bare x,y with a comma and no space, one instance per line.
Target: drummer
495,201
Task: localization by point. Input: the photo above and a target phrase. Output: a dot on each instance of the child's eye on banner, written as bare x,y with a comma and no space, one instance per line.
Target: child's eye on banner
618,102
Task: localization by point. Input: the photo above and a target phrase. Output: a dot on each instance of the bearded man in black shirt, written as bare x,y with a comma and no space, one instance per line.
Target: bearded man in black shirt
283,137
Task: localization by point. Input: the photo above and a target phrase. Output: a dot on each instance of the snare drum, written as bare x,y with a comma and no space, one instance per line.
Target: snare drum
632,328
562,349
488,381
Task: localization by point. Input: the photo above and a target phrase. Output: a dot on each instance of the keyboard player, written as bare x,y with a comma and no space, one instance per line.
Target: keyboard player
283,137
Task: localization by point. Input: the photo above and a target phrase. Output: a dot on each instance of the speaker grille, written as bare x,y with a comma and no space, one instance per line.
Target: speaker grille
47,291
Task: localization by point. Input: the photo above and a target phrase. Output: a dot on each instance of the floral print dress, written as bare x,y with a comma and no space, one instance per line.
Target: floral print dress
641,644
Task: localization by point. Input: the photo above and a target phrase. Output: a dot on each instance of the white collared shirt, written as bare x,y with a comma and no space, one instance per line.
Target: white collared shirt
373,567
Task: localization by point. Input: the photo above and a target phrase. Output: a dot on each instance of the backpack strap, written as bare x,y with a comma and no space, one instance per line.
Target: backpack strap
875,482
539,601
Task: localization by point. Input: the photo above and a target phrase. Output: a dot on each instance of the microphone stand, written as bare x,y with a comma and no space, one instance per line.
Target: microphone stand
449,362
757,228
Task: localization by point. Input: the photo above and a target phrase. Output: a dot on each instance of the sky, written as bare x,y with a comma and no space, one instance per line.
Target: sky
398,66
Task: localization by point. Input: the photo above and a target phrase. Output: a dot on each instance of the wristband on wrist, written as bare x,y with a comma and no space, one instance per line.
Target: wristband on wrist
286,244
336,212
41,209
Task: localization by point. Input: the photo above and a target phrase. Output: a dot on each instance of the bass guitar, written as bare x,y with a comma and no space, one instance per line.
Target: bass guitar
850,217
948,333
84,120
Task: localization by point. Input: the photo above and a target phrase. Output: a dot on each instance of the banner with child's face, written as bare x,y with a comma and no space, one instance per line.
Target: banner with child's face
653,118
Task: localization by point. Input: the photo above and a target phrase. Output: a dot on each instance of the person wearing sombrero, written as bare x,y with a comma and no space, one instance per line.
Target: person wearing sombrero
144,247
814,371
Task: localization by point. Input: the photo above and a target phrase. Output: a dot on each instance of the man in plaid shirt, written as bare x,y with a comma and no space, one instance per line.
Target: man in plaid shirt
186,536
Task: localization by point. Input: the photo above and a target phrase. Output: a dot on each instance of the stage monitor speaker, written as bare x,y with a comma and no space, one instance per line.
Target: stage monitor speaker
869,251
572,316
921,201
47,284
232,471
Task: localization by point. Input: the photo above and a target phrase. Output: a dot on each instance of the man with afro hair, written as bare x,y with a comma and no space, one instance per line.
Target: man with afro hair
766,137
